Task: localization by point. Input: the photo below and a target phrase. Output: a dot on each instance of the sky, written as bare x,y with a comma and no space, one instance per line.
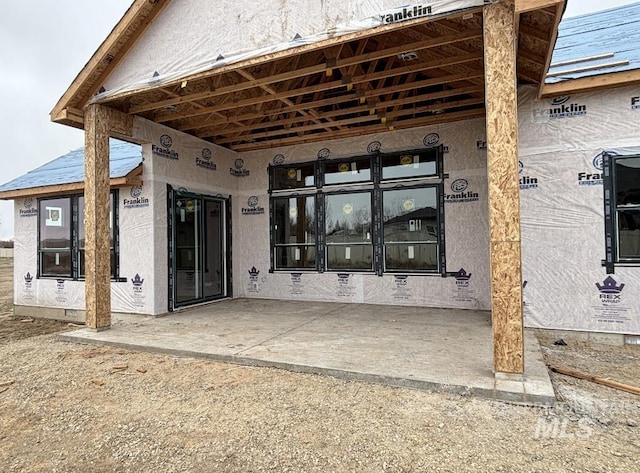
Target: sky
43,46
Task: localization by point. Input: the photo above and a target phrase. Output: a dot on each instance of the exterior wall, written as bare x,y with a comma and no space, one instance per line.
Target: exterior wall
179,164
562,220
143,287
466,228
135,231
563,211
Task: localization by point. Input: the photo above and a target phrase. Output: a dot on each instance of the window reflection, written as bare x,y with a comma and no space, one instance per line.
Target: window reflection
55,237
348,231
341,172
409,165
410,228
292,177
295,232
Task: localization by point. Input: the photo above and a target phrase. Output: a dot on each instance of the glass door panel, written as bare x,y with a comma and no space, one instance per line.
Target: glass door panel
188,248
214,269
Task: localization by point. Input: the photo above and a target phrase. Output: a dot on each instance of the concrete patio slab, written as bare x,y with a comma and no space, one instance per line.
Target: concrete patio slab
435,349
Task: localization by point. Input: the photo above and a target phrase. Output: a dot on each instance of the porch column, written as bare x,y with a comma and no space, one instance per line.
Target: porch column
504,190
96,218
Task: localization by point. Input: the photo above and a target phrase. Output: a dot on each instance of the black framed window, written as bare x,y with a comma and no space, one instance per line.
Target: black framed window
293,177
410,165
349,171
410,229
626,192
55,237
377,213
348,231
61,241
295,232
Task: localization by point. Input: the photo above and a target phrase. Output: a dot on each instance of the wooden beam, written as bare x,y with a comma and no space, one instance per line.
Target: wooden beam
96,217
411,123
314,115
355,120
120,124
537,60
355,80
523,6
596,379
504,190
587,84
215,131
536,33
295,92
293,52
352,121
319,68
552,42
352,110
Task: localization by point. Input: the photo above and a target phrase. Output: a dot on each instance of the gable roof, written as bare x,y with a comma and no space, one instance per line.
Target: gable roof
368,79
597,44
66,173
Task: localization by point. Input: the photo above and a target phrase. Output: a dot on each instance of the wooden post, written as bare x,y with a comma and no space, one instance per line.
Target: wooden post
96,218
504,190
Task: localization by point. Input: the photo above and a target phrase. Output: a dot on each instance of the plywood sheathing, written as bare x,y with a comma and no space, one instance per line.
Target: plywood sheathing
96,217
504,199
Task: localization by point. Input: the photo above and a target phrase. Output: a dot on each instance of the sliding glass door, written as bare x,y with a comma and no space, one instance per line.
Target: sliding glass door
197,248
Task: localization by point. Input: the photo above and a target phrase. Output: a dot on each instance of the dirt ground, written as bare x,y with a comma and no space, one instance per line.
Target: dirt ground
67,408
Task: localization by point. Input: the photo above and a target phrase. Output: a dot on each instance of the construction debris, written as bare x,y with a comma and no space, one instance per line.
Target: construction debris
595,379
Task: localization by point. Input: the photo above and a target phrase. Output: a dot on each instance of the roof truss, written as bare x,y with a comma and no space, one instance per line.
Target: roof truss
415,73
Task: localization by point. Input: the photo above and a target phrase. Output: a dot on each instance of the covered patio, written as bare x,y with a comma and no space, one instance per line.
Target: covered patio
406,73
445,350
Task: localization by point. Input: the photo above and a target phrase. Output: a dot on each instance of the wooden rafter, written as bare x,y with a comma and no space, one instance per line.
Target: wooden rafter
425,70
411,123
374,93
318,68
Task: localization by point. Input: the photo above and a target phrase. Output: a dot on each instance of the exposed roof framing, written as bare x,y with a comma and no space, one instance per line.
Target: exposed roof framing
416,73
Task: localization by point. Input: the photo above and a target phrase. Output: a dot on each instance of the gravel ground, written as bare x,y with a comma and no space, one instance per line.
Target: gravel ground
75,408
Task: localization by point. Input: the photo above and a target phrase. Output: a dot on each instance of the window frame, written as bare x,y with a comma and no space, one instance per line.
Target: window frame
42,251
372,242
275,245
436,174
345,160
74,250
375,186
611,212
437,228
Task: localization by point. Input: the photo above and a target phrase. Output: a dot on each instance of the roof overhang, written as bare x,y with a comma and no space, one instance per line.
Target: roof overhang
415,73
587,84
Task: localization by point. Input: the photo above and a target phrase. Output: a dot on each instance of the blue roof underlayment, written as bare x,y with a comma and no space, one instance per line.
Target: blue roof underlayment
615,31
69,168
